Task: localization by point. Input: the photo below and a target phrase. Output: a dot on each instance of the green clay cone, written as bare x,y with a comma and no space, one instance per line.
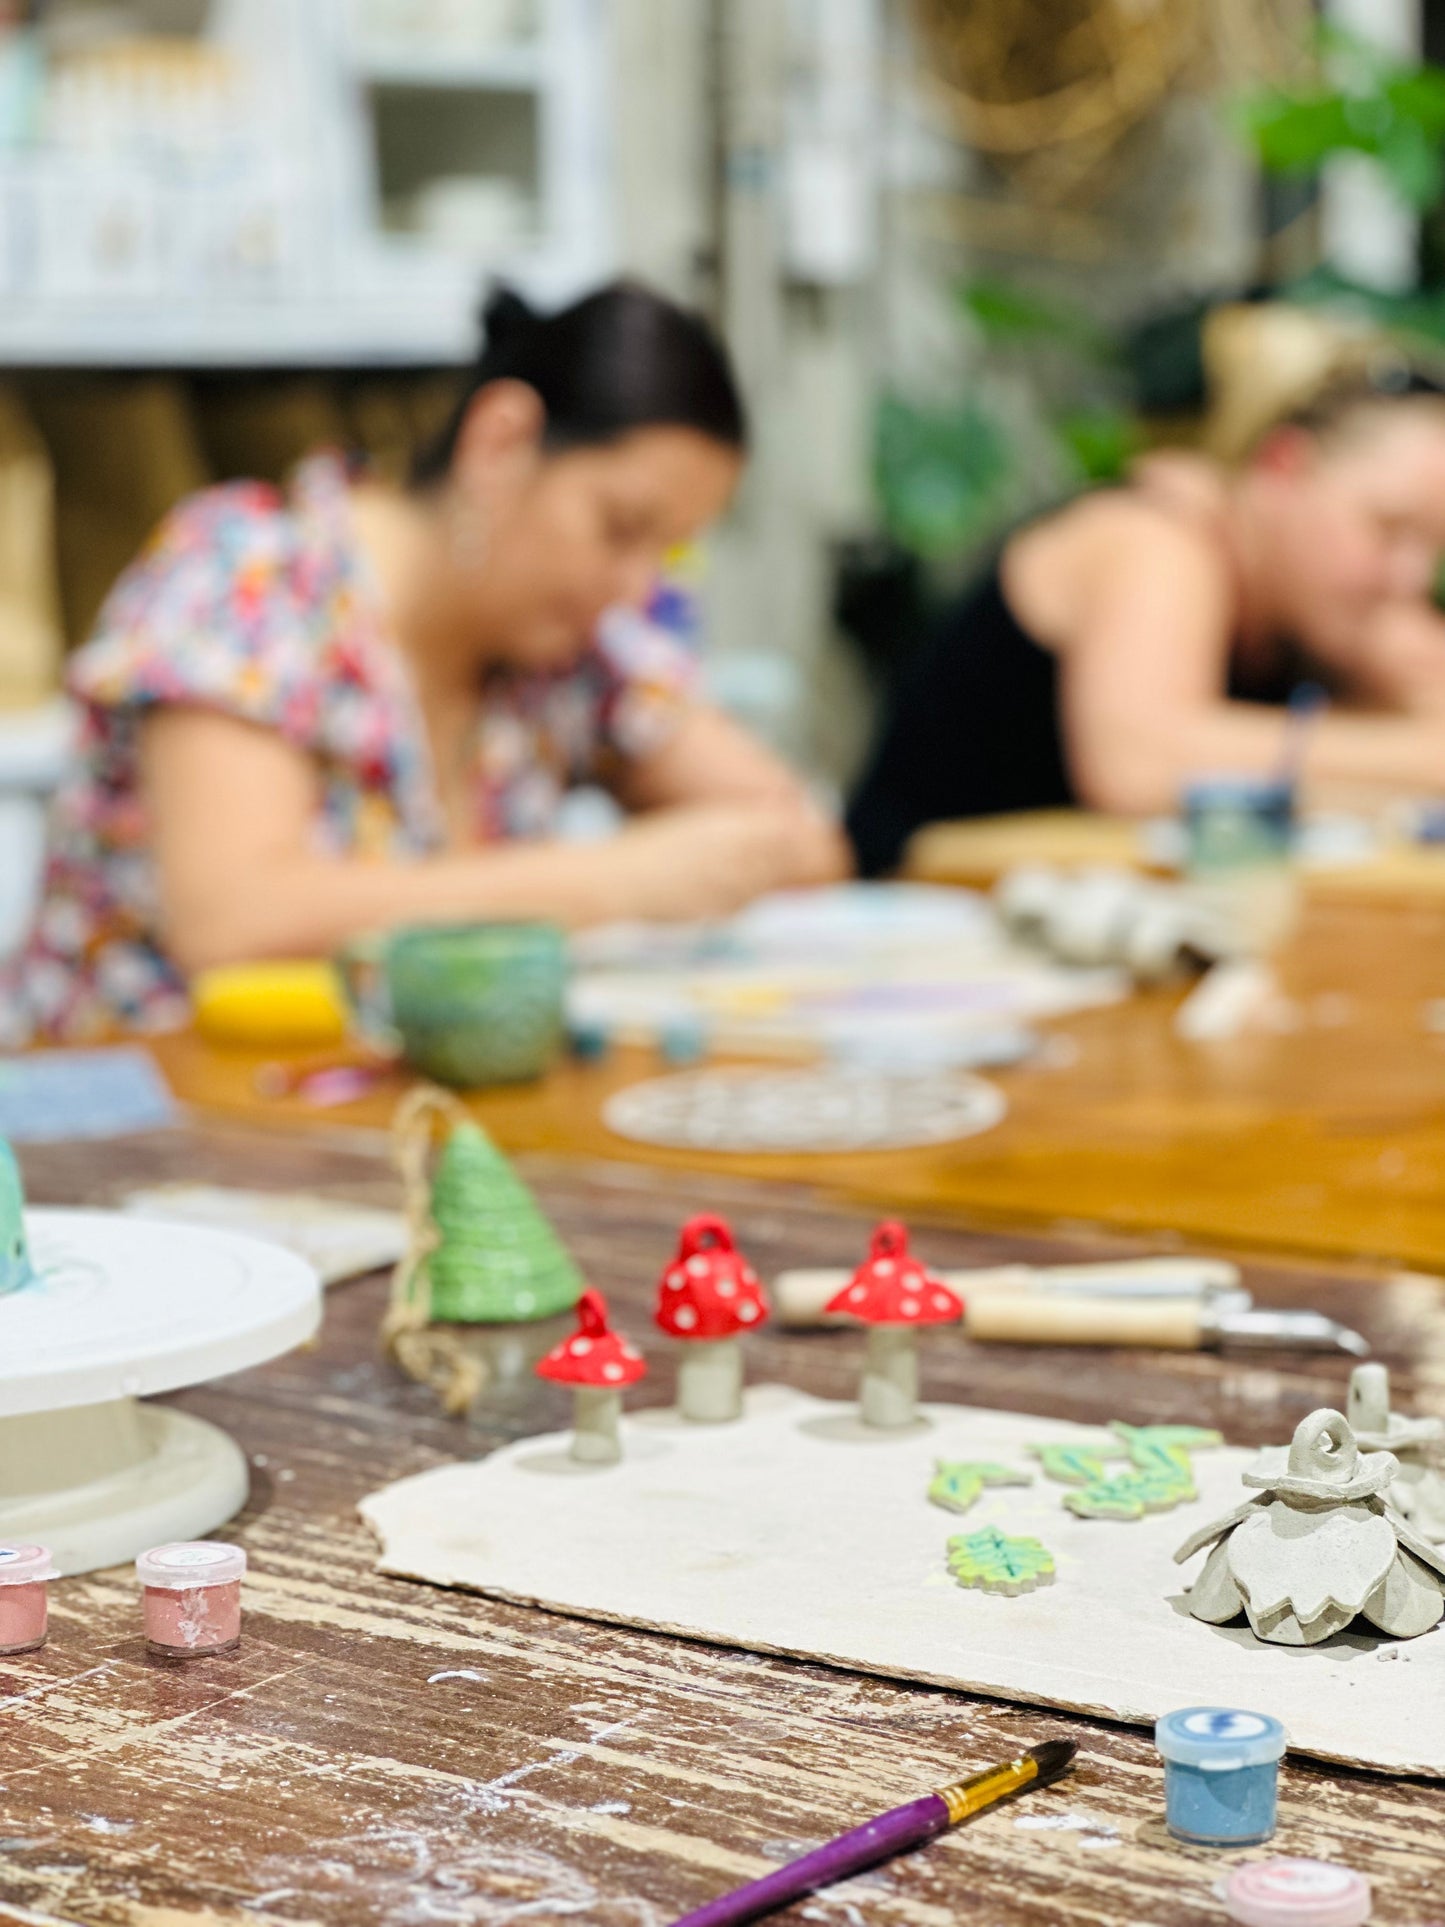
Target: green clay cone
498,1262
15,1269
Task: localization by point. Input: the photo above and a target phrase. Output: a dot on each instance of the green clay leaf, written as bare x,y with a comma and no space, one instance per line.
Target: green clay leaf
958,1484
994,1562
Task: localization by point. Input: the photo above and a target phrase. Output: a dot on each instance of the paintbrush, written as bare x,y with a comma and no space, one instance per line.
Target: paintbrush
881,1839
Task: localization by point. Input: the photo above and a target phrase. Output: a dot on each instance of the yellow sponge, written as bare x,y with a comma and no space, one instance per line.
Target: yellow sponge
271,1004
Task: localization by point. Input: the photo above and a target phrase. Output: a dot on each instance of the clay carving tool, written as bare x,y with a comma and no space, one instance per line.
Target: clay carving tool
890,1834
799,1297
1182,1325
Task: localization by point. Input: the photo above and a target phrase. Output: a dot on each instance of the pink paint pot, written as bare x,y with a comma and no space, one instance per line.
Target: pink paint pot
192,1600
24,1603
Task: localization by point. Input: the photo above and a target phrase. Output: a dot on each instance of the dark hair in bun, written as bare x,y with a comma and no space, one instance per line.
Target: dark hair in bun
620,359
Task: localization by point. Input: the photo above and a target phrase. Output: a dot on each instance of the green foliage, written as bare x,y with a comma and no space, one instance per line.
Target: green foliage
1370,104
939,473
1101,442
1007,316
958,1484
994,1562
948,476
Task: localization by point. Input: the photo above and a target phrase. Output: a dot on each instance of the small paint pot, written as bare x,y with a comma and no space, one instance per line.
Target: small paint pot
24,1601
1297,1893
1221,1774
683,1039
192,1602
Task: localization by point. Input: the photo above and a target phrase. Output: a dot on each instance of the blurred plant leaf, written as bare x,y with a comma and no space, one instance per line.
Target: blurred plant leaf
941,474
1101,442
1375,106
1008,316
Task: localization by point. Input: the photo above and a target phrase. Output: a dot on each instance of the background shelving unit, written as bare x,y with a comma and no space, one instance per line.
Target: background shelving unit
322,185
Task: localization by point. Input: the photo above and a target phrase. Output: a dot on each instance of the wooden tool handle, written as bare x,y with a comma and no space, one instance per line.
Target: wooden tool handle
1032,1318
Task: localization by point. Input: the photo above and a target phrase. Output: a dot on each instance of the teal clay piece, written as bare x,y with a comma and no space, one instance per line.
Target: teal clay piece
993,1562
1131,1495
1160,1474
1076,1464
958,1485
497,1260
15,1267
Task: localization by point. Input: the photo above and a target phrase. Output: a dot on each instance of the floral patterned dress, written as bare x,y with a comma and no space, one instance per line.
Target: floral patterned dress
257,603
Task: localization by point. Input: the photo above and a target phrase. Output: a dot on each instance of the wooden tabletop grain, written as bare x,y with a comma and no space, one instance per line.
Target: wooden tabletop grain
383,1752
1326,1136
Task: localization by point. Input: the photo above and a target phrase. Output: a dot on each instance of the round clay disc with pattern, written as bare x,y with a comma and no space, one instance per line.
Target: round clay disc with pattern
744,1109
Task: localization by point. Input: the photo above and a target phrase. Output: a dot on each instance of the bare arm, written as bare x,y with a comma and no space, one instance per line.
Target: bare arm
709,759
1142,669
1402,659
232,808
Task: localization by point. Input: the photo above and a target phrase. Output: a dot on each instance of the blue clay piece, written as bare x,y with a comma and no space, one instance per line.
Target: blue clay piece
15,1268
1221,1774
683,1040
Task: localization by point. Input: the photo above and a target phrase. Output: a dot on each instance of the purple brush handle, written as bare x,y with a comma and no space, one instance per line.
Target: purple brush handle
880,1839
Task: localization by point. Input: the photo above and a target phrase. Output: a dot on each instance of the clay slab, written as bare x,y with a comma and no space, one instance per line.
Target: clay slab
786,1533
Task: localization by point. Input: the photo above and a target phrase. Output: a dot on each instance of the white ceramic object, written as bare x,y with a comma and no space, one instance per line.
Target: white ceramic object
124,1308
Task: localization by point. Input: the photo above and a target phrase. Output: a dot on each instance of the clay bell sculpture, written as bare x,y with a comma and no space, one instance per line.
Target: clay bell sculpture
1417,1492
1317,1546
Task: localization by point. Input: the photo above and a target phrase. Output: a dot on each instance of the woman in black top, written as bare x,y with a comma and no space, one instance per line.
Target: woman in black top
1146,635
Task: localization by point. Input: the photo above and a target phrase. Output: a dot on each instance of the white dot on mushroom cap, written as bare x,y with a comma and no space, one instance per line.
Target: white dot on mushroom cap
909,1308
747,1311
685,1318
726,1288
884,1267
612,1371
858,1292
940,1303
675,1281
698,1267
580,1347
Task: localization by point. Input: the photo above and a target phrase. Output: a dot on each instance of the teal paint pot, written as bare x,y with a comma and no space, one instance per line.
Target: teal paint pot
1221,1774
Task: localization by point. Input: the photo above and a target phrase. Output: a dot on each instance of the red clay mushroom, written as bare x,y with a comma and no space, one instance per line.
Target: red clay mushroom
892,1294
709,1294
597,1362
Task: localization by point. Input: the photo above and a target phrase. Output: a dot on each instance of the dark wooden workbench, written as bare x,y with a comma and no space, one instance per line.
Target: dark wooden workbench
379,1752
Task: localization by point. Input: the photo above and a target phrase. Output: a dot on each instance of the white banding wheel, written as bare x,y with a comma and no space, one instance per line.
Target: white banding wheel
124,1307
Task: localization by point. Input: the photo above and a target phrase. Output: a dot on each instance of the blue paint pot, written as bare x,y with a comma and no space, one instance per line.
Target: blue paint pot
1221,1774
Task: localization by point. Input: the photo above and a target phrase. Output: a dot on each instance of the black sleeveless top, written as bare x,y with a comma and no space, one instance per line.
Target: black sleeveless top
974,730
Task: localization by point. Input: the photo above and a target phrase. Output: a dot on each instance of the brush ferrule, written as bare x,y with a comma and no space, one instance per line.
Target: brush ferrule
973,1795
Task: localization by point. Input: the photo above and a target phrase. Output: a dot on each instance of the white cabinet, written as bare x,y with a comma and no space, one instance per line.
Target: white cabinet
312,182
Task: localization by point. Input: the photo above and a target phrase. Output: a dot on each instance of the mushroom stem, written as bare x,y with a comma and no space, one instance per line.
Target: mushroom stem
889,1396
710,1381
595,1412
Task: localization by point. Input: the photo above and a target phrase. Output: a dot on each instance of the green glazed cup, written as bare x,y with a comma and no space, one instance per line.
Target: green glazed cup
467,1004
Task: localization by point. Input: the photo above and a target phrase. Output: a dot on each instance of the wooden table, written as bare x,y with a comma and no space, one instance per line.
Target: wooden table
978,851
381,1752
1328,1138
